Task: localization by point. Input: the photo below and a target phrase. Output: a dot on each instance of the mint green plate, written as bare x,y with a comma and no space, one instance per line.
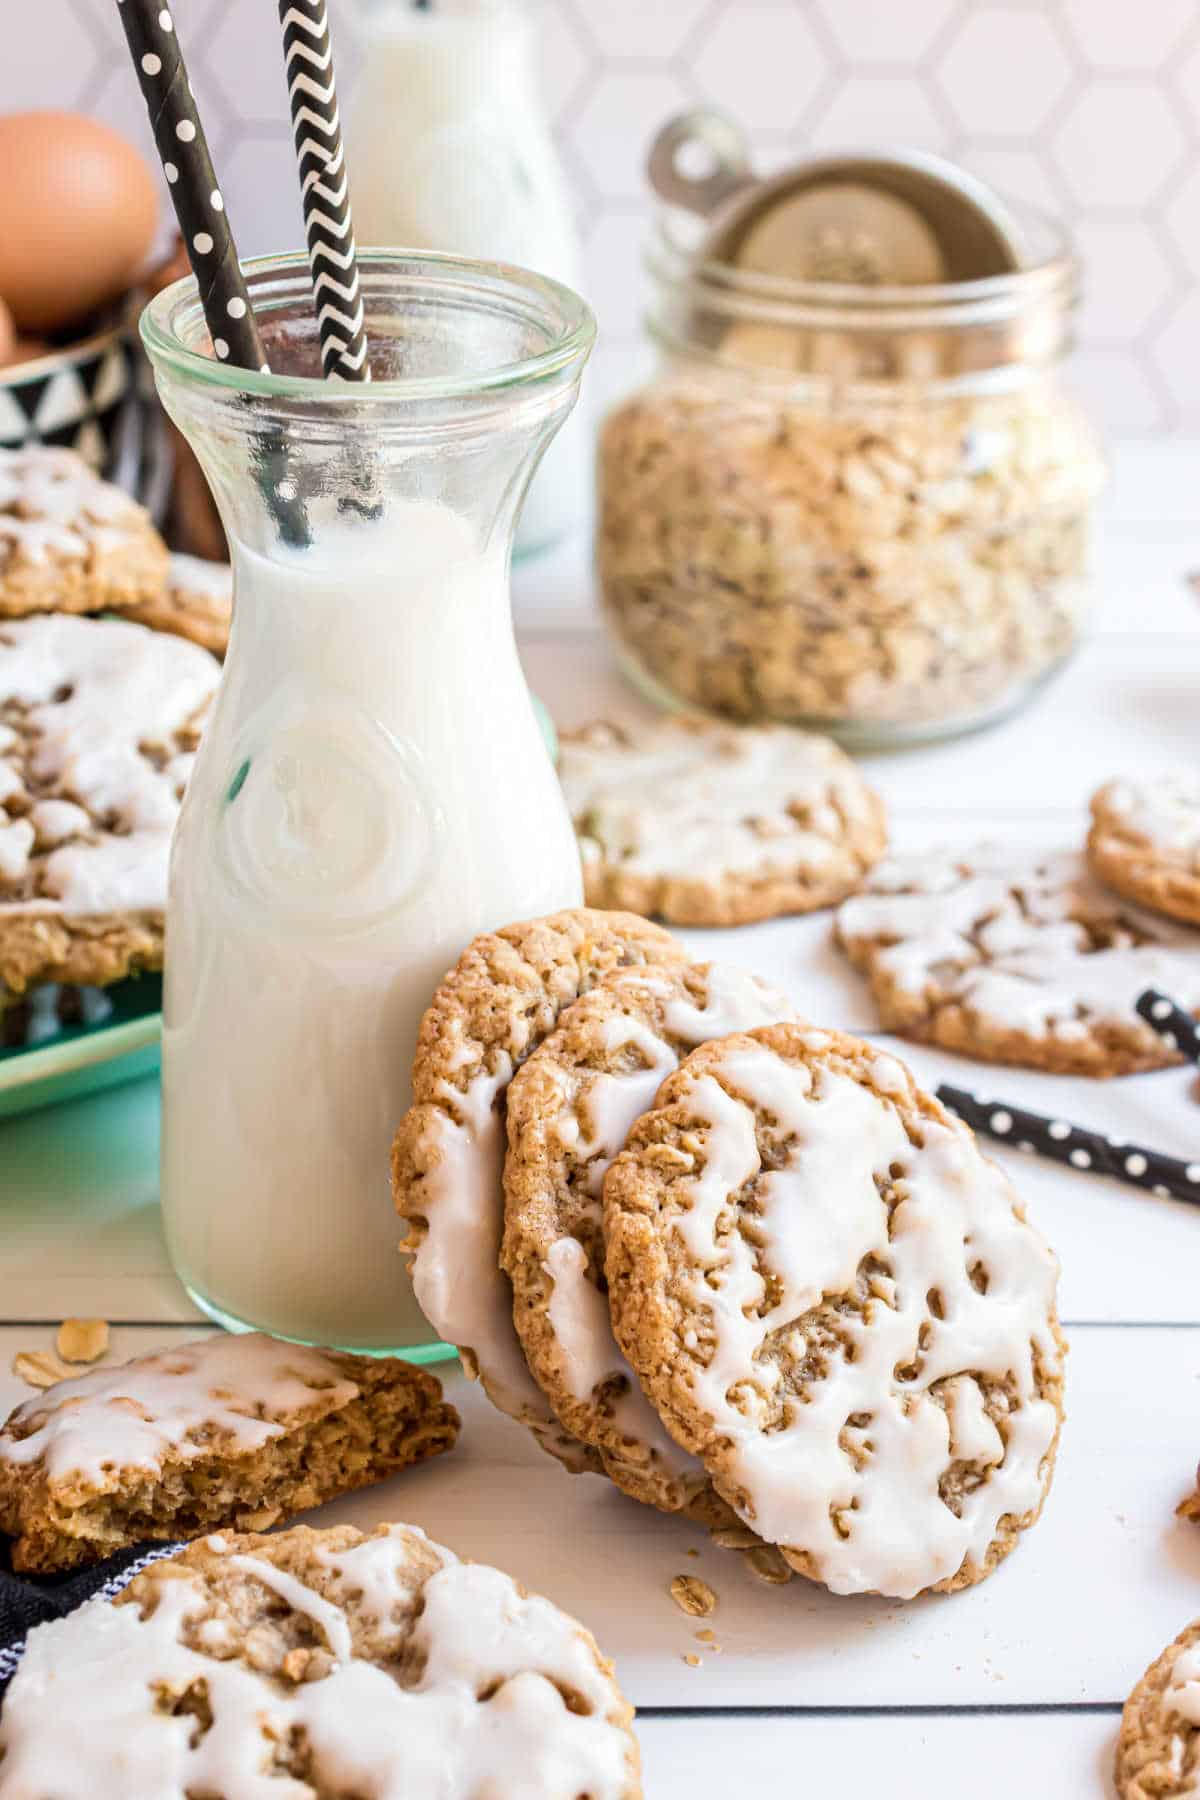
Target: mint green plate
85,1059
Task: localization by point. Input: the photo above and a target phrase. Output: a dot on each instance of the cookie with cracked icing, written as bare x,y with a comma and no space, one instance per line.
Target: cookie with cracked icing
1017,959
99,721
1145,841
70,542
502,998
836,1302
324,1664
195,602
570,1109
706,824
226,1431
1158,1749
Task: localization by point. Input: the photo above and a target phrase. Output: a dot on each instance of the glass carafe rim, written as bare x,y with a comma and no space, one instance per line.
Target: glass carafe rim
163,319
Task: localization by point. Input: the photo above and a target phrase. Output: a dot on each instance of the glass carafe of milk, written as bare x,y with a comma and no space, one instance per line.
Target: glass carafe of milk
450,150
372,789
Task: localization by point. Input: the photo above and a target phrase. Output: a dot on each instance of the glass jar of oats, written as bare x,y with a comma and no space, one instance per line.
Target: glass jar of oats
851,506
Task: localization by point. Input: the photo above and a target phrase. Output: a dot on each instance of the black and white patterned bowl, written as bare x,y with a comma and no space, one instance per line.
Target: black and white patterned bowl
95,397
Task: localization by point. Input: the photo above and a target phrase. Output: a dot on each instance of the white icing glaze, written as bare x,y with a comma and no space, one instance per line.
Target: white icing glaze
456,1272
51,502
577,1311
663,800
822,1215
1181,1700
1165,811
123,688
484,1717
133,1415
1004,940
329,1619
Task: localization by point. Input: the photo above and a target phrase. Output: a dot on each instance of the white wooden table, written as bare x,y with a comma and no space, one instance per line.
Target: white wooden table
1011,1688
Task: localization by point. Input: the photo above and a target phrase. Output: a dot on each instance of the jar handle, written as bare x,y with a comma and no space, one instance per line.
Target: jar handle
723,146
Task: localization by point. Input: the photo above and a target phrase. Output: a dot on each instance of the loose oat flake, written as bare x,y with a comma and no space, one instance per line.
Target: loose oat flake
693,1596
82,1340
40,1368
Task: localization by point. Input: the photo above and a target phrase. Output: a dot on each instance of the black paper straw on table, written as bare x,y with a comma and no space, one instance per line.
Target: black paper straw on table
324,188
1175,1026
1089,1151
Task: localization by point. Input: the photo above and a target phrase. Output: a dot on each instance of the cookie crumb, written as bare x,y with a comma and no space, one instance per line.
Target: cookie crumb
1189,1508
82,1340
692,1660
693,1596
707,1637
40,1368
693,1553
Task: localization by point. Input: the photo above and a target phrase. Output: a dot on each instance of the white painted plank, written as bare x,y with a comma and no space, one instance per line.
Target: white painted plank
994,1757
1124,705
83,1233
1106,1579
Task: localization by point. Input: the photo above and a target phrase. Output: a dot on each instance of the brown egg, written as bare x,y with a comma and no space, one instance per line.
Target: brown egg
8,335
29,350
78,210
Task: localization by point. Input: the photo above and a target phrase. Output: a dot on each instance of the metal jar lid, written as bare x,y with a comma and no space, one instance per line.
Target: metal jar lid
873,219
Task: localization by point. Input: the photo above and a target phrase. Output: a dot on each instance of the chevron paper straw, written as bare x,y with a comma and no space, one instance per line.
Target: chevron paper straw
195,195
317,127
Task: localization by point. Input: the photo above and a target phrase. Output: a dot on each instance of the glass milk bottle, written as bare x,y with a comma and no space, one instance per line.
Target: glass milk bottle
450,150
372,789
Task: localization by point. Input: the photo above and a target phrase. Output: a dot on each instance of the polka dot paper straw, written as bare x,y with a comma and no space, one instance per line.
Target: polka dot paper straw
1175,1027
187,165
1167,1176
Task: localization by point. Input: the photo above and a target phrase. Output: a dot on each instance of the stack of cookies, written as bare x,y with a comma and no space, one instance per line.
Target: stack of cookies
320,1662
99,718
745,1268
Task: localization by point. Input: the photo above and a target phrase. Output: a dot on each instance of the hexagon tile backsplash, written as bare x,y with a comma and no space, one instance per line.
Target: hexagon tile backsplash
1090,108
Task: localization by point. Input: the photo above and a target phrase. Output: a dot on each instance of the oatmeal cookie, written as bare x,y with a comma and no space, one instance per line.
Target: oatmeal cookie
99,720
706,824
835,1301
1145,841
1016,960
569,1111
70,542
195,601
231,1431
1158,1750
324,1664
493,1009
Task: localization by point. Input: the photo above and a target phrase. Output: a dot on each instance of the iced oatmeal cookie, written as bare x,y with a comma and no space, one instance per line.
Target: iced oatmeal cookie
227,1431
99,720
1145,841
1016,960
1158,1751
321,1664
195,601
836,1302
569,1111
706,824
70,542
492,1010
